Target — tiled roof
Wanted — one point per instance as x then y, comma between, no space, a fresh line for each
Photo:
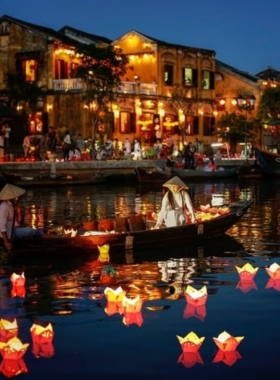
244,74
79,33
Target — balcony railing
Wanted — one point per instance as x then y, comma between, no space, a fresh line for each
137,88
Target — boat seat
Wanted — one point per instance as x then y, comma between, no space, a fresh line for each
136,223
120,225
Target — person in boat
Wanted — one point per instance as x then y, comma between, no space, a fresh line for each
170,162
211,167
175,205
10,217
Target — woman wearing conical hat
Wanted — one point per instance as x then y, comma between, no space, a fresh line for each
10,217
175,203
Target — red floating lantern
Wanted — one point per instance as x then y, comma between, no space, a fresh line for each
41,334
18,291
227,342
18,279
196,297
191,342
247,272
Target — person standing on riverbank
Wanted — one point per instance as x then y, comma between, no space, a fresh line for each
51,140
66,145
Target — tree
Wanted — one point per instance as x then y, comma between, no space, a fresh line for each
269,107
101,69
231,128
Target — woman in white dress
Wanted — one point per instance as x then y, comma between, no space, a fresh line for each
175,204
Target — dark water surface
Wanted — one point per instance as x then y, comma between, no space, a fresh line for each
94,338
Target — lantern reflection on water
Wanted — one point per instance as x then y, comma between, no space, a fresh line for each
247,272
246,286
272,283
132,311
8,329
274,271
130,318
228,357
195,311
227,342
18,291
114,300
43,350
104,253
11,368
17,280
191,342
189,359
13,349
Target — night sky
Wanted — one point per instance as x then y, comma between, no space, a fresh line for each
244,34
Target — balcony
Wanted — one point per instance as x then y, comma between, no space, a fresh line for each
131,88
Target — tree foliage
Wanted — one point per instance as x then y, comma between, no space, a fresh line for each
101,70
269,107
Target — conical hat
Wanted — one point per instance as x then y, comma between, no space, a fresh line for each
10,192
175,181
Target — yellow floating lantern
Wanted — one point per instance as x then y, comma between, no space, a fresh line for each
247,272
196,297
116,295
13,349
8,329
104,253
191,342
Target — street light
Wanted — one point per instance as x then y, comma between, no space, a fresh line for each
246,104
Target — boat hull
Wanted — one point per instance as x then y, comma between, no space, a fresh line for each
133,239
269,161
203,175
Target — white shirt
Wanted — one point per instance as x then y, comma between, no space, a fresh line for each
6,218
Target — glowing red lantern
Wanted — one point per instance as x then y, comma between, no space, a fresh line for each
228,357
17,280
8,329
193,311
11,368
189,359
247,272
132,305
43,350
191,342
41,334
13,349
274,271
196,297
227,342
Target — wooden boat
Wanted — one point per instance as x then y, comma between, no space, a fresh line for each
270,162
129,233
153,175
251,172
203,175
44,180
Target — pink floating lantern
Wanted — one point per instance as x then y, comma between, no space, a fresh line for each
18,279
227,342
196,297
247,272
191,342
274,271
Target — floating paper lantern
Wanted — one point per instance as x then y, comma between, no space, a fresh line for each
191,342
41,334
247,272
18,279
11,368
71,232
104,253
227,342
189,359
246,285
228,357
195,311
13,349
274,271
18,291
116,295
132,305
113,308
8,329
43,350
196,297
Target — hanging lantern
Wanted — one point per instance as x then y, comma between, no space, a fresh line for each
274,271
17,280
11,368
191,342
13,349
189,359
196,297
227,342
195,311
43,350
8,329
41,334
228,357
247,272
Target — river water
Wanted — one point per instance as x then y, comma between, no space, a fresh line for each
95,338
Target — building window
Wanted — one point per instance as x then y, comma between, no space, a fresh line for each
127,122
208,126
168,75
27,63
189,77
207,80
4,28
61,69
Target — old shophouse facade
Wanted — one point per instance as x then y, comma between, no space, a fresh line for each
142,107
